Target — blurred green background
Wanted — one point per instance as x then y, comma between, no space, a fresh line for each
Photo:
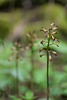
17,18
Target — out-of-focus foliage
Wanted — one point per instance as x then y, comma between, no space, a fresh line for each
4,28
2,1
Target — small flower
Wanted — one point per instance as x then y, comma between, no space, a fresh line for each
55,28
54,33
50,58
52,24
43,42
16,51
44,30
55,53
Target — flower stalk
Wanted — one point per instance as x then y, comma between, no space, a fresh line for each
48,39
16,54
32,38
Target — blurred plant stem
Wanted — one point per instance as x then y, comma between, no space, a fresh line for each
32,69
17,75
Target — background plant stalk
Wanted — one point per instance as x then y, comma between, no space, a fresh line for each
17,76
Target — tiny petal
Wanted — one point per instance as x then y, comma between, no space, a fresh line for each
53,37
50,58
55,53
54,33
52,24
44,30
42,42
55,28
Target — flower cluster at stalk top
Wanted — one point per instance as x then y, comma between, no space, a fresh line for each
16,52
49,40
32,38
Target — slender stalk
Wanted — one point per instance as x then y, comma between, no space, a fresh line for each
48,67
47,75
17,76
32,70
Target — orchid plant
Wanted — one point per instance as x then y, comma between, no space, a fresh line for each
17,51
49,40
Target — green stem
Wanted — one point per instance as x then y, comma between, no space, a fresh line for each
47,75
17,76
32,69
48,67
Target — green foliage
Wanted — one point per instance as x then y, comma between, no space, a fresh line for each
29,96
2,1
14,98
4,29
